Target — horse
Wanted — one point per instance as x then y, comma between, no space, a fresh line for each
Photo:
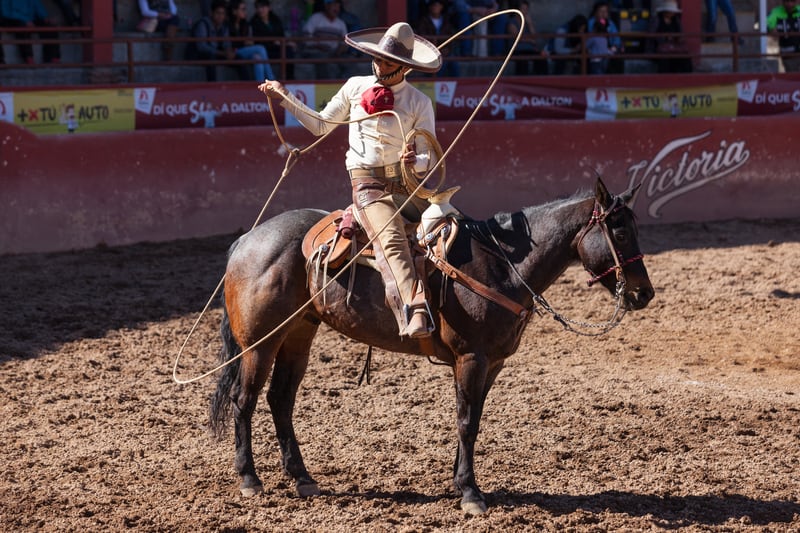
517,254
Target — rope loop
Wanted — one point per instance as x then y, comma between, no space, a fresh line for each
414,180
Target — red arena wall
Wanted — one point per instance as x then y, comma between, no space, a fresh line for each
63,192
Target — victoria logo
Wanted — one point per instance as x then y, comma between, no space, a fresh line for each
684,165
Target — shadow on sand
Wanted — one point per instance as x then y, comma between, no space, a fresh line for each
655,238
54,298
669,512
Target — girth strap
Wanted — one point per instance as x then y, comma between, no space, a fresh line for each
477,287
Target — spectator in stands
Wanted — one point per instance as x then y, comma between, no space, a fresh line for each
160,15
436,26
537,64
614,65
415,9
784,21
213,26
67,7
350,19
468,11
243,45
668,38
328,30
353,23
29,14
597,47
711,17
568,42
266,23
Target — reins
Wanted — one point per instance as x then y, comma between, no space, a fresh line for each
293,156
599,216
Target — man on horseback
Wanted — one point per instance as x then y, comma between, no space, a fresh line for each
378,149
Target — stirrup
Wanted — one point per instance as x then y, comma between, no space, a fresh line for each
419,321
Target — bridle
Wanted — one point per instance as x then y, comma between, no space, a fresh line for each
599,216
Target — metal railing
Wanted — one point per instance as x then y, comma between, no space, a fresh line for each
131,64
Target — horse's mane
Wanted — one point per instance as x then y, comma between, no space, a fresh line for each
502,218
510,221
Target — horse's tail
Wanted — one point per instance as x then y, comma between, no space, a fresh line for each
220,408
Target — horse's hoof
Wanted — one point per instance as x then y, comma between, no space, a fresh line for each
474,508
249,492
306,490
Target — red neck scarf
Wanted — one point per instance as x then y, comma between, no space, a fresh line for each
377,98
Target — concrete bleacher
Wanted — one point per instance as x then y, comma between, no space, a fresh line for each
716,56
42,75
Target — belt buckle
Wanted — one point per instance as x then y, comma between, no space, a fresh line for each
392,171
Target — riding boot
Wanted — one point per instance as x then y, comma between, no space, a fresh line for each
418,314
418,324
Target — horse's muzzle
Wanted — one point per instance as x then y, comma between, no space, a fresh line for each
638,297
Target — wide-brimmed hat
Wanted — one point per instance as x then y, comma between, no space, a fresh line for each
397,44
668,5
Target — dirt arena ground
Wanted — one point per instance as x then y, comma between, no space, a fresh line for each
686,417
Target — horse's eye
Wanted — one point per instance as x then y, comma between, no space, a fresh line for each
621,236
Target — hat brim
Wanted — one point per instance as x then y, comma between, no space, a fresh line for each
425,57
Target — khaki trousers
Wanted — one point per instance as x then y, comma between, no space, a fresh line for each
393,257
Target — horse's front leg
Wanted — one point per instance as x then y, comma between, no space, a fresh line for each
474,376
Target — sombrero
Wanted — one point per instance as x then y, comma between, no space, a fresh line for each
670,6
399,45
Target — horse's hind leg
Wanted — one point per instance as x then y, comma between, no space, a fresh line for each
252,376
290,367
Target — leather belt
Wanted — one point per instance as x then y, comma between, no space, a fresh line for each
390,172
386,178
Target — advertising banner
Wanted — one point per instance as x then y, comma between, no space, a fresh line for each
456,100
307,93
616,103
73,111
200,106
768,97
7,107
236,104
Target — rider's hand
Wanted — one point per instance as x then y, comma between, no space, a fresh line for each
409,156
273,89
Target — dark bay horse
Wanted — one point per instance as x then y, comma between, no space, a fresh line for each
517,254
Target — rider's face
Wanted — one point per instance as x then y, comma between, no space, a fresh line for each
383,67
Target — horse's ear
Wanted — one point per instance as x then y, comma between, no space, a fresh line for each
629,197
601,193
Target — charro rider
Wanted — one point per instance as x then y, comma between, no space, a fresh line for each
377,150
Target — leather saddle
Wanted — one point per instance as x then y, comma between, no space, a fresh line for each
335,239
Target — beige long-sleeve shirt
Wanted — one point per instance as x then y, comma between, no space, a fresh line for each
375,142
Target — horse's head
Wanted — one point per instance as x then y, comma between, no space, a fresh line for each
609,247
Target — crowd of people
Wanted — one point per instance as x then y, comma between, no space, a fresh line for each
586,43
